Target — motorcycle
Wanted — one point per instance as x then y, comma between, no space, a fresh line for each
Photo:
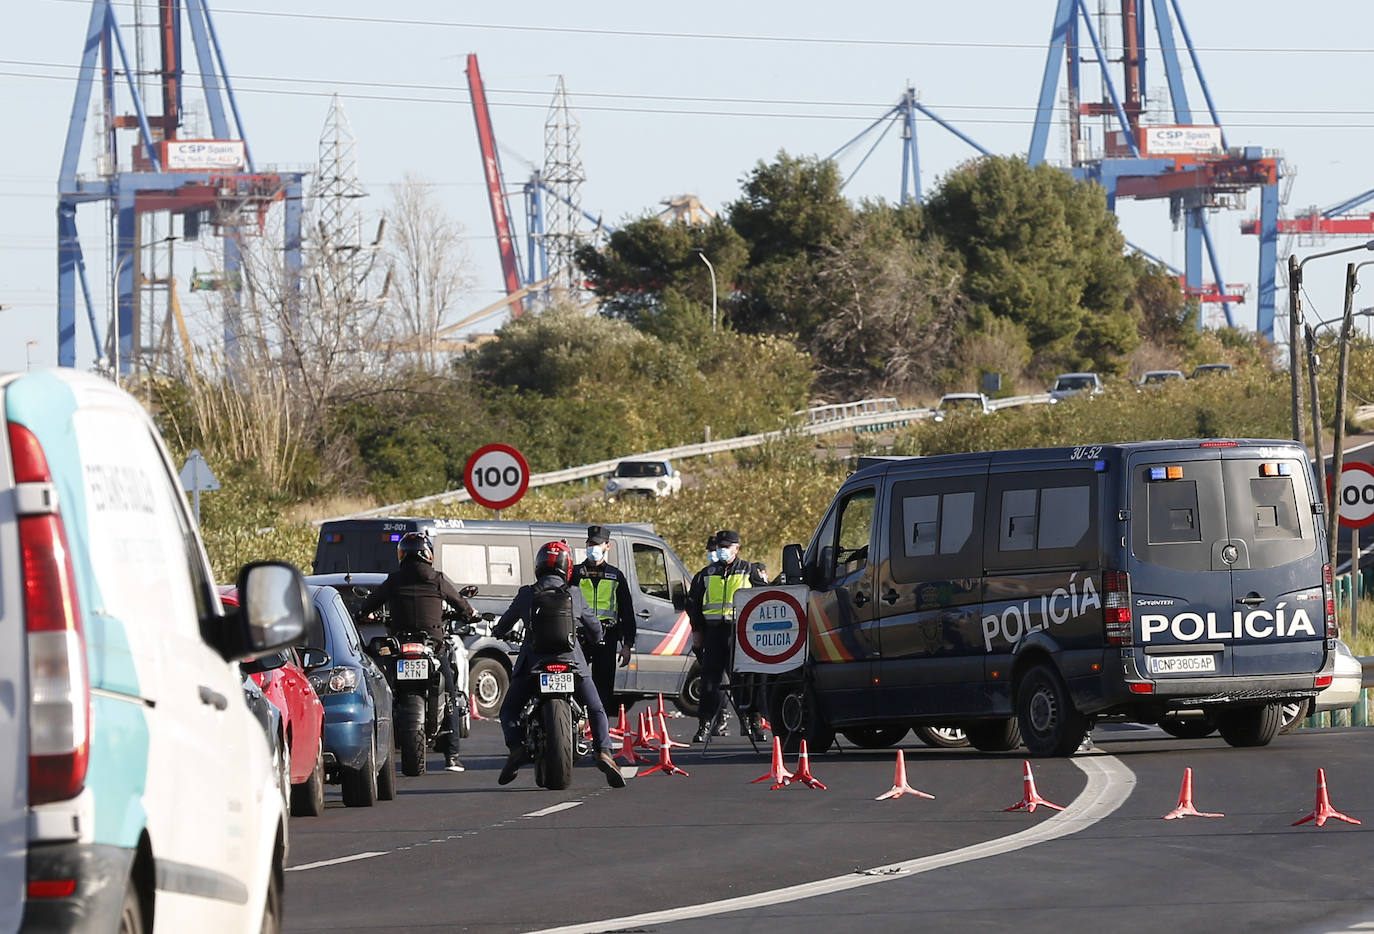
554,725
420,705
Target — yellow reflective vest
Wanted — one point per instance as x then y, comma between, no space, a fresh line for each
599,595
718,603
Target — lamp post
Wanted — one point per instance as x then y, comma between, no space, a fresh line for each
713,286
114,313
28,354
1295,323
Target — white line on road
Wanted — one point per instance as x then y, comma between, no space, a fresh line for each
1109,785
334,862
553,809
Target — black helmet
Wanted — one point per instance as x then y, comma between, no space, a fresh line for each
415,545
554,558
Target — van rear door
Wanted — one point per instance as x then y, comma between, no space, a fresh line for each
1215,557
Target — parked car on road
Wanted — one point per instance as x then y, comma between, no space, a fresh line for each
136,781
961,403
357,705
652,478
1211,369
1071,384
282,677
1155,377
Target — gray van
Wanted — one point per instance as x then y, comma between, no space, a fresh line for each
1024,595
498,556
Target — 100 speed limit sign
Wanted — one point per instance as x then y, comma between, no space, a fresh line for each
1356,503
496,476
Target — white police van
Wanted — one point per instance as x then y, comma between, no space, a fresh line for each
137,792
1024,595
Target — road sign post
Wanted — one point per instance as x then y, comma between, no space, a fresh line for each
496,476
196,476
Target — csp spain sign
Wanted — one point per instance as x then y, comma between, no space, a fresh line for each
770,628
496,476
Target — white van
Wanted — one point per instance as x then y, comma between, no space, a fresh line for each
137,792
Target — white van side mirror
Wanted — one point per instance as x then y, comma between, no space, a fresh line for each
273,604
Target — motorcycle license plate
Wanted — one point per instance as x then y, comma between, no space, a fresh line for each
555,682
412,669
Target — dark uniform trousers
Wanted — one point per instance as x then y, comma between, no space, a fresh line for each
715,655
604,658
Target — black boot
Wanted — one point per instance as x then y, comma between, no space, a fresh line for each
514,760
756,728
722,725
700,735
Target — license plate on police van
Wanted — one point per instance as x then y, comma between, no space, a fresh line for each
1182,664
412,669
555,682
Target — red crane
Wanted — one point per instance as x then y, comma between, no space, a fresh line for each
496,189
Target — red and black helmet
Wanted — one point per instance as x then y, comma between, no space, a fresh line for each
554,558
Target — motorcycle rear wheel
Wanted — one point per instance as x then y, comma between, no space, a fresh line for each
410,727
557,753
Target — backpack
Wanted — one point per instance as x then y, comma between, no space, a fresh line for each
552,626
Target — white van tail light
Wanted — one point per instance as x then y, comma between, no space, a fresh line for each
59,692
1116,607
1329,601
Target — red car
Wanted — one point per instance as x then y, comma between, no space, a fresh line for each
282,678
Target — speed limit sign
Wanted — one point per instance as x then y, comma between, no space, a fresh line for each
1356,504
496,476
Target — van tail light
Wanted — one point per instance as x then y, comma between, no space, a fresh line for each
59,691
1329,601
1116,608
1322,681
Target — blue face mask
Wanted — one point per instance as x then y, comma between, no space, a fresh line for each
712,555
596,552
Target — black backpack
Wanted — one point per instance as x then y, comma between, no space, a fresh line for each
551,621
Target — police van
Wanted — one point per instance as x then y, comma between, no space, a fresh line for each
1024,595
137,790
498,556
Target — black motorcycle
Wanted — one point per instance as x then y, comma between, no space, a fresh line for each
553,725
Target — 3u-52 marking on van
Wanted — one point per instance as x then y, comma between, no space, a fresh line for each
1024,595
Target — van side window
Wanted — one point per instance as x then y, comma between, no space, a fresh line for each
652,570
855,529
933,536
1018,521
1063,516
1047,518
481,564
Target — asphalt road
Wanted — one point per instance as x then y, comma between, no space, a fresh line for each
456,852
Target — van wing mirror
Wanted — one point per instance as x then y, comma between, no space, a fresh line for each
273,608
792,571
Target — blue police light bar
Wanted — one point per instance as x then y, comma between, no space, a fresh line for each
1157,473
1099,466
395,537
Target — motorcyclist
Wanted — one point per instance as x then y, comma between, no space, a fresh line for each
415,594
553,571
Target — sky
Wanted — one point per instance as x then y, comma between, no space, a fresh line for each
674,99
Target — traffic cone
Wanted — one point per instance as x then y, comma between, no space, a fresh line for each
622,726
661,712
1185,801
665,762
647,735
764,724
803,773
627,749
899,782
1323,811
475,709
778,772
664,738
1031,797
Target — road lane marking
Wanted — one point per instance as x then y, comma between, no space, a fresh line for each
335,862
1109,785
552,809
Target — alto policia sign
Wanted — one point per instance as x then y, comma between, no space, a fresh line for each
770,629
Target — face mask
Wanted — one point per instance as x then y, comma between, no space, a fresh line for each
724,554
712,555
596,552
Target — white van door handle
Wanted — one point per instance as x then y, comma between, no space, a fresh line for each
214,698
1250,599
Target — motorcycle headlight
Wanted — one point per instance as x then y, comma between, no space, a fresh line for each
335,681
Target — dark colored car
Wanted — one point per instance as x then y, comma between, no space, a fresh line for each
282,678
357,705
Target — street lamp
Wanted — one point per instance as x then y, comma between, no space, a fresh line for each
114,313
1295,322
713,285
28,353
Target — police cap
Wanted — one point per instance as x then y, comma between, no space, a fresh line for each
597,535
727,537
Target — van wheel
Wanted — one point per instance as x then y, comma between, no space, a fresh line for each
1294,712
794,716
386,779
1050,724
1188,727
1250,726
875,737
307,798
360,784
488,681
131,914
993,735
950,737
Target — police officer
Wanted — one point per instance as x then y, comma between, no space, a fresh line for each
607,594
552,570
415,594
711,610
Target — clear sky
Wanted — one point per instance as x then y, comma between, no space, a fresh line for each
675,98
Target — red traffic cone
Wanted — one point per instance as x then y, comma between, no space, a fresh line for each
764,724
663,738
803,773
475,709
647,735
1323,811
778,772
1185,801
665,762
627,749
622,726
899,782
1031,797
660,711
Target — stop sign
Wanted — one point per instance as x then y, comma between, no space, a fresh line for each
1355,505
496,476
